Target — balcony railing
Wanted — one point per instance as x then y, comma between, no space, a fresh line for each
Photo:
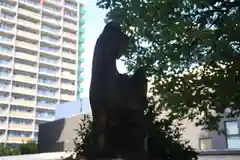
23,102
68,86
68,76
69,65
3,125
48,94
5,63
28,24
68,97
18,139
26,45
4,100
70,26
24,90
21,114
4,87
70,35
26,56
27,34
25,67
31,3
51,20
51,52
69,45
26,79
29,13
8,5
44,117
25,127
8,17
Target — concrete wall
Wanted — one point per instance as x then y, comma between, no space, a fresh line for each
58,135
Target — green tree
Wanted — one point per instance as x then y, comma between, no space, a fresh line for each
6,150
28,148
191,49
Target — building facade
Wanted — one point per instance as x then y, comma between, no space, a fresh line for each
41,43
212,140
210,145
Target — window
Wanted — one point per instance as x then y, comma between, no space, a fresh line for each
205,143
233,134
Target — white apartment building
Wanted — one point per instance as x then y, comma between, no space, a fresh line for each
40,63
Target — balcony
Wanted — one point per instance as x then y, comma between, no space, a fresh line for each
48,84
6,40
7,64
26,45
18,139
49,61
21,114
8,18
26,56
25,79
4,87
67,75
24,127
10,7
68,97
28,24
51,21
50,30
3,113
29,13
51,41
69,45
51,52
27,35
44,117
4,100
31,4
70,36
49,106
24,67
23,90
3,126
68,86
69,66
69,55
70,26
6,52
49,72
23,102
48,94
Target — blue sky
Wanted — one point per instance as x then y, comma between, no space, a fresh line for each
94,25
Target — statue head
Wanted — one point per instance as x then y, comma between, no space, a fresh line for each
117,40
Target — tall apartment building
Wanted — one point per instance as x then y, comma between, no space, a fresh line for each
40,63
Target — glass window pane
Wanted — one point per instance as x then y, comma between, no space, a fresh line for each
232,128
233,142
205,143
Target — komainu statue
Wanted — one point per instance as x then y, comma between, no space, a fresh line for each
117,100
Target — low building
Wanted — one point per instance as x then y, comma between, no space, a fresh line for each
58,136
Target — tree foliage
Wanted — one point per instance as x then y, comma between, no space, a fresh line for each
191,49
6,150
28,148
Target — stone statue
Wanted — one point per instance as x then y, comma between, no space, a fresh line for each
117,100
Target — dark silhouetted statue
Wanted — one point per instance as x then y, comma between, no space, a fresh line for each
117,100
